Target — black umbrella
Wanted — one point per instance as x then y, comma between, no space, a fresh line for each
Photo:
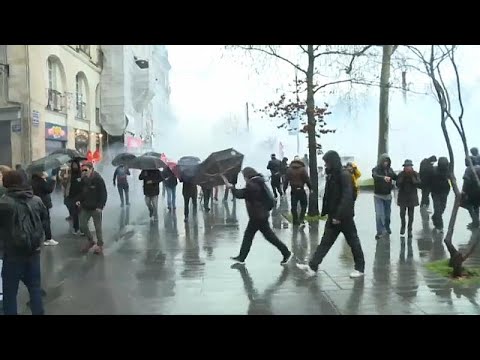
47,163
147,163
187,167
72,153
123,159
152,153
227,162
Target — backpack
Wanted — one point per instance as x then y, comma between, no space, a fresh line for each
269,200
26,238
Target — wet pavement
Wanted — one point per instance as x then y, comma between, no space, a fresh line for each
172,267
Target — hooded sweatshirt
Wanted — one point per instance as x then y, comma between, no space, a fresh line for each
43,188
297,176
253,195
22,194
383,189
338,201
440,182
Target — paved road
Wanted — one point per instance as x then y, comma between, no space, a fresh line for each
171,267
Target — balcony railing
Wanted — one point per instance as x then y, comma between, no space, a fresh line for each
56,101
81,111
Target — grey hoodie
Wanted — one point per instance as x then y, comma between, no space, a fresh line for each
383,189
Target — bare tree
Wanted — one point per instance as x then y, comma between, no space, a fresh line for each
309,69
434,62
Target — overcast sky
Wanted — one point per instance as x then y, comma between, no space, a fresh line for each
209,82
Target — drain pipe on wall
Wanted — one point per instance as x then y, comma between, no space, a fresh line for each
27,155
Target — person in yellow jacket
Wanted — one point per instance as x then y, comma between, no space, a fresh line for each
353,169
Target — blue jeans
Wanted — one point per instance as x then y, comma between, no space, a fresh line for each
28,271
171,197
383,209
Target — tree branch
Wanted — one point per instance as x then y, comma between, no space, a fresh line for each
304,50
354,56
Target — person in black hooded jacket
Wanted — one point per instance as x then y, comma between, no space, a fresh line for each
440,187
43,187
426,172
338,204
274,165
255,194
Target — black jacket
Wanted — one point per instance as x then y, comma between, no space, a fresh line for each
407,189
338,201
169,178
274,166
189,190
74,186
440,179
43,188
23,194
253,193
426,172
94,192
381,187
283,167
151,182
297,176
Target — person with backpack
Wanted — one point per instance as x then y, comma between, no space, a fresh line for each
426,172
170,181
408,182
297,177
471,195
338,204
23,223
356,174
91,201
274,166
43,187
120,180
151,189
440,188
259,202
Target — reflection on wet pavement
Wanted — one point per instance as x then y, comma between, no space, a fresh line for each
171,267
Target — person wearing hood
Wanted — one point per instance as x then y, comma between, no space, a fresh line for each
73,189
475,157
426,172
297,177
283,169
23,223
338,204
383,177
408,182
274,166
440,188
471,195
255,194
356,174
43,187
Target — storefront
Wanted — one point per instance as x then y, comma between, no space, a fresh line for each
82,141
56,137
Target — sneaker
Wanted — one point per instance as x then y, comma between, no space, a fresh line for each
237,260
301,226
356,274
307,269
98,250
286,259
50,242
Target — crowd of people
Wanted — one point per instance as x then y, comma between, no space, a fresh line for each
25,205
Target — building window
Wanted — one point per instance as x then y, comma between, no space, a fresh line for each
56,99
81,96
85,49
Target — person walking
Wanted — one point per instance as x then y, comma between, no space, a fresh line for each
151,190
297,177
283,170
440,188
43,187
170,181
338,204
471,195
73,189
121,181
274,166
91,201
356,174
383,177
426,171
23,223
408,182
189,192
207,196
257,200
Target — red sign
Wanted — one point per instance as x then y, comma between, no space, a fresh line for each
133,142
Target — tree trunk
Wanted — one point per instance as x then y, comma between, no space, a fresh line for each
383,125
312,141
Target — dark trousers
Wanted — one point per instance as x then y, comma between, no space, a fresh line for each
349,230
123,189
74,212
474,214
48,229
207,194
403,212
439,205
26,270
425,196
298,196
186,201
264,227
275,182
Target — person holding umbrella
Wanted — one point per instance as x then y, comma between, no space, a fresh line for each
43,187
120,180
170,182
151,189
